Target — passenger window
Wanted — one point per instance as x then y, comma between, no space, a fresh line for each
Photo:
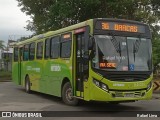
47,48
32,51
26,53
55,47
66,43
66,49
16,54
39,53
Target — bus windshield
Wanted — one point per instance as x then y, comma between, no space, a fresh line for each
119,53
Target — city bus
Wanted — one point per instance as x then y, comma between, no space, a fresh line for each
101,59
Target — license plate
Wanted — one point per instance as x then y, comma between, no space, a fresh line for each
128,95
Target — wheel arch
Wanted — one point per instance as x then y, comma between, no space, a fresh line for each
65,80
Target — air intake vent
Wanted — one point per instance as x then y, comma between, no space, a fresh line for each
128,76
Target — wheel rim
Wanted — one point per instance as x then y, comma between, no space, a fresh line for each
69,95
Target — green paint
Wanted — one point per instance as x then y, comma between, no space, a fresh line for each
46,75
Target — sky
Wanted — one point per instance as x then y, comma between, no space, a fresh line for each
12,20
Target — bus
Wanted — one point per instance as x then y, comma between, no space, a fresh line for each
101,59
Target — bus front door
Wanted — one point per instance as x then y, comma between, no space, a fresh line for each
81,63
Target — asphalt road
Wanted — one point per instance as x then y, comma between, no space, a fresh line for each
14,98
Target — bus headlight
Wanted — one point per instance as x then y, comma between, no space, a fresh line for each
149,86
100,85
104,87
96,83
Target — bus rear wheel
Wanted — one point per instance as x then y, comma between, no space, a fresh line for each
67,95
27,85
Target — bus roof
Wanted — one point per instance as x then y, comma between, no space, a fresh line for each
66,29
56,32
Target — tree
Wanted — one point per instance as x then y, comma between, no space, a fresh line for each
24,38
38,10
54,14
156,50
2,46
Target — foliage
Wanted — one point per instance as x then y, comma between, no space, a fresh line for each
2,46
156,50
24,38
38,11
54,14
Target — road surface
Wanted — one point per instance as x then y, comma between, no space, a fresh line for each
14,98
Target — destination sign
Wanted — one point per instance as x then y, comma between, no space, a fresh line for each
120,26
107,65
66,37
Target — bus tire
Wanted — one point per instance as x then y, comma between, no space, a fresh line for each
27,85
67,95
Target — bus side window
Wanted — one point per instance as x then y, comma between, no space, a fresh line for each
47,48
39,53
26,53
66,43
16,54
31,51
55,47
21,53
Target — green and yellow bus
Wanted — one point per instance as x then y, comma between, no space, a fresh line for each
100,59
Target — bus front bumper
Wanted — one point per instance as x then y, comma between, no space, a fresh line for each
98,94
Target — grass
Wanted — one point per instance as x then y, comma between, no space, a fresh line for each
5,75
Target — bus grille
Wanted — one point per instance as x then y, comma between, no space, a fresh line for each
131,94
124,76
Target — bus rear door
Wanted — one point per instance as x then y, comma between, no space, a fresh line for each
20,65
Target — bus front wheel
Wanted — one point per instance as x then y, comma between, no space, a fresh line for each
67,95
27,85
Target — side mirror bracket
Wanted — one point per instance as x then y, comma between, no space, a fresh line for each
91,42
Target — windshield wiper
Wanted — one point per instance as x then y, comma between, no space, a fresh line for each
136,47
116,44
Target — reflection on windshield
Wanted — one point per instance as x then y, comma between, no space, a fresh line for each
136,47
122,53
